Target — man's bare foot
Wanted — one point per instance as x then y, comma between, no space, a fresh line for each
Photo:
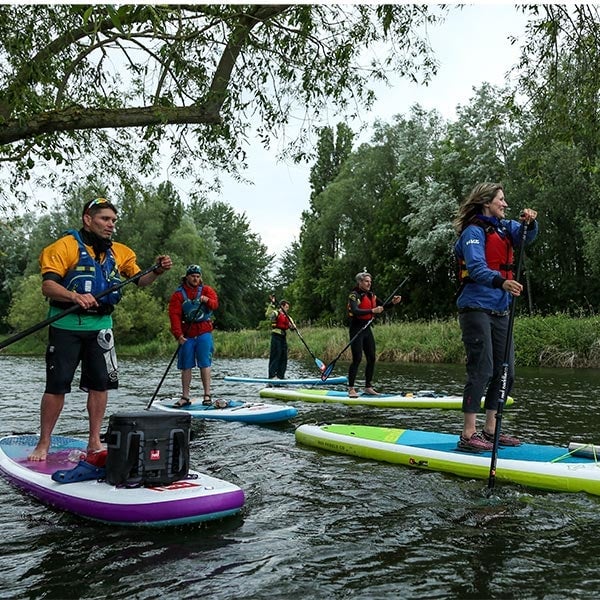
95,449
39,453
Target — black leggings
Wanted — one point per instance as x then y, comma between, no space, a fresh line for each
364,342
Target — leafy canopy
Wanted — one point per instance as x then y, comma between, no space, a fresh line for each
122,86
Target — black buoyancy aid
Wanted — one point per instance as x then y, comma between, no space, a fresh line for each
498,252
194,311
366,301
89,276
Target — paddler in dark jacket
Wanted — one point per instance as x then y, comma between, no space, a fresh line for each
484,251
280,323
363,306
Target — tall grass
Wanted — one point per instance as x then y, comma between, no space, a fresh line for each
552,341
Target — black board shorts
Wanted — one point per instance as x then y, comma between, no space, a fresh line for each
95,350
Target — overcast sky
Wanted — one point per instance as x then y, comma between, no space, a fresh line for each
471,47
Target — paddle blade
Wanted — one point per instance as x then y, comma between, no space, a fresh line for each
322,366
327,372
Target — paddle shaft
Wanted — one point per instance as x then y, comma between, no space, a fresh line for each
330,366
318,361
505,365
74,308
163,378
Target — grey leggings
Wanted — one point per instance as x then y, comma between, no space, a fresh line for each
484,337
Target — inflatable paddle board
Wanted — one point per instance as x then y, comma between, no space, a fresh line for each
197,498
236,410
554,468
266,381
422,399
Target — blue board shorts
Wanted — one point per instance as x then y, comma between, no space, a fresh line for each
196,352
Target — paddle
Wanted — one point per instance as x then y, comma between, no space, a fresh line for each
327,372
163,378
75,307
504,376
320,364
187,330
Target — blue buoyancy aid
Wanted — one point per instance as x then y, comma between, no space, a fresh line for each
92,277
194,311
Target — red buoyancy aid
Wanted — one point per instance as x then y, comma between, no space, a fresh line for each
281,322
368,301
498,253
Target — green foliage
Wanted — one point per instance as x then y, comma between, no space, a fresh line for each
241,264
139,317
28,307
551,341
556,166
152,221
115,88
557,341
14,257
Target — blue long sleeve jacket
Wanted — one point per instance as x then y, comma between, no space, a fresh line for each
482,291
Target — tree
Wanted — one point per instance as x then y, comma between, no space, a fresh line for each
332,152
557,162
319,237
14,257
241,265
117,85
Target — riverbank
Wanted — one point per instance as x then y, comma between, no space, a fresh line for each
553,341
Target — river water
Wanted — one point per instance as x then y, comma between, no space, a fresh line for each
317,525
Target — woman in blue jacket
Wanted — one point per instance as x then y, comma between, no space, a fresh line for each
485,255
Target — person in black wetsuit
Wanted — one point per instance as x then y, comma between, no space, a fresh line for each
363,306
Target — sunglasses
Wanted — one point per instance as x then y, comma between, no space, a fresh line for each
97,202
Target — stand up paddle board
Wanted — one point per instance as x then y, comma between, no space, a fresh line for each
554,468
266,381
197,498
422,399
235,410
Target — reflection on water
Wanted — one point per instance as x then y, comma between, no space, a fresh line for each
317,525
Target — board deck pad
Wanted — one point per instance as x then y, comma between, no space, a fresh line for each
192,499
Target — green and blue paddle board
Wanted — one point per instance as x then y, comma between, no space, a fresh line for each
564,469
421,399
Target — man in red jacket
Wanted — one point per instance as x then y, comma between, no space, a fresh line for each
190,312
